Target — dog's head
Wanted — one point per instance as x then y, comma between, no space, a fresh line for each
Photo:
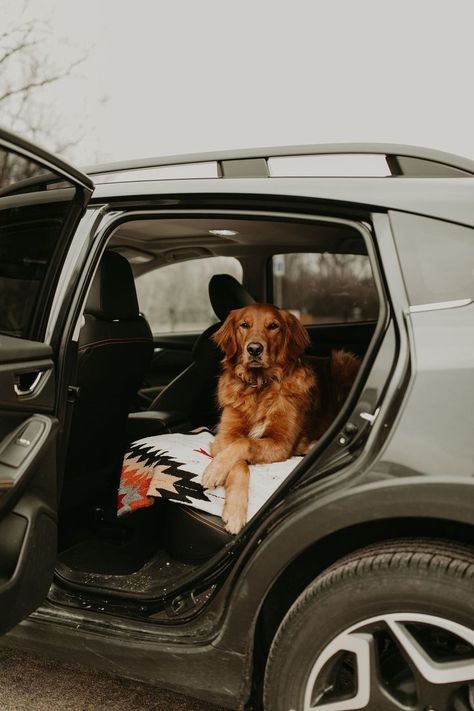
261,336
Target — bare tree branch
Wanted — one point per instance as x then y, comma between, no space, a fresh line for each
15,50
28,86
27,69
26,27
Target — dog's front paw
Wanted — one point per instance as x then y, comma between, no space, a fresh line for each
234,518
214,475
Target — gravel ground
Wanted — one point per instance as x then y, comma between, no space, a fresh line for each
31,683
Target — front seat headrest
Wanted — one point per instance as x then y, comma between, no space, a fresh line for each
226,294
113,294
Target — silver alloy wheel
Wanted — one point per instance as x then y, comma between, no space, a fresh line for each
400,661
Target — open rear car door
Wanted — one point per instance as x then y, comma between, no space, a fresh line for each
41,201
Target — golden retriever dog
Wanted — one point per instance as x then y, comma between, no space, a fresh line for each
273,405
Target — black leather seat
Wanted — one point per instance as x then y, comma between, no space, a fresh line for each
115,351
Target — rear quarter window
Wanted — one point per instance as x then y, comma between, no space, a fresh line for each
437,258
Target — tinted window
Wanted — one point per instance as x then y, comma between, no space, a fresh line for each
437,258
325,288
175,298
31,219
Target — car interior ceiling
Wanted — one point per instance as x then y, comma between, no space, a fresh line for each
148,550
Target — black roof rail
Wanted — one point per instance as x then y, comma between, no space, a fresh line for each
401,159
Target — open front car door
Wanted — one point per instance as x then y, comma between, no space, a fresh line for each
41,202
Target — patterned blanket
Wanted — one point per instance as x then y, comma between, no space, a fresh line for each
171,466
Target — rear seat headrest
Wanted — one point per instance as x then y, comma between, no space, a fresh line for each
226,294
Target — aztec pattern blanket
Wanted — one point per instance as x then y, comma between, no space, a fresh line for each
170,466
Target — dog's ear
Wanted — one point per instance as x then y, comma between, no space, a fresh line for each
296,336
225,336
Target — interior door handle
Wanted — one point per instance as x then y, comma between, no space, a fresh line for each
27,383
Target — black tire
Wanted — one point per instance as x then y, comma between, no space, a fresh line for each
419,577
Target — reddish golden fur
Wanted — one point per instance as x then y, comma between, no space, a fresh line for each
273,405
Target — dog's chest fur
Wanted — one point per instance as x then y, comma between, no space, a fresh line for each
255,405
257,408
258,430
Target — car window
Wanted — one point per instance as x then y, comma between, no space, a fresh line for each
32,216
175,298
437,258
324,287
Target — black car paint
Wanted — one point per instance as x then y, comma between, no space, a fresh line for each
397,479
218,647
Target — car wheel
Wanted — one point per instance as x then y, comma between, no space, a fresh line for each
388,628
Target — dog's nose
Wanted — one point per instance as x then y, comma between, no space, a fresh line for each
254,349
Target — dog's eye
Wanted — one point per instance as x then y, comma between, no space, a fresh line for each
273,325
245,325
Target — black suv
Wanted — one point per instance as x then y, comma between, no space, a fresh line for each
353,586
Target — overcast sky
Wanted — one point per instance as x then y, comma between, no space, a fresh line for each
171,76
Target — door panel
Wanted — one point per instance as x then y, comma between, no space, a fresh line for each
41,201
31,538
31,381
18,451
26,375
28,478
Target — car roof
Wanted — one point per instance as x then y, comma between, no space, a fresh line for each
442,199
420,180
403,159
